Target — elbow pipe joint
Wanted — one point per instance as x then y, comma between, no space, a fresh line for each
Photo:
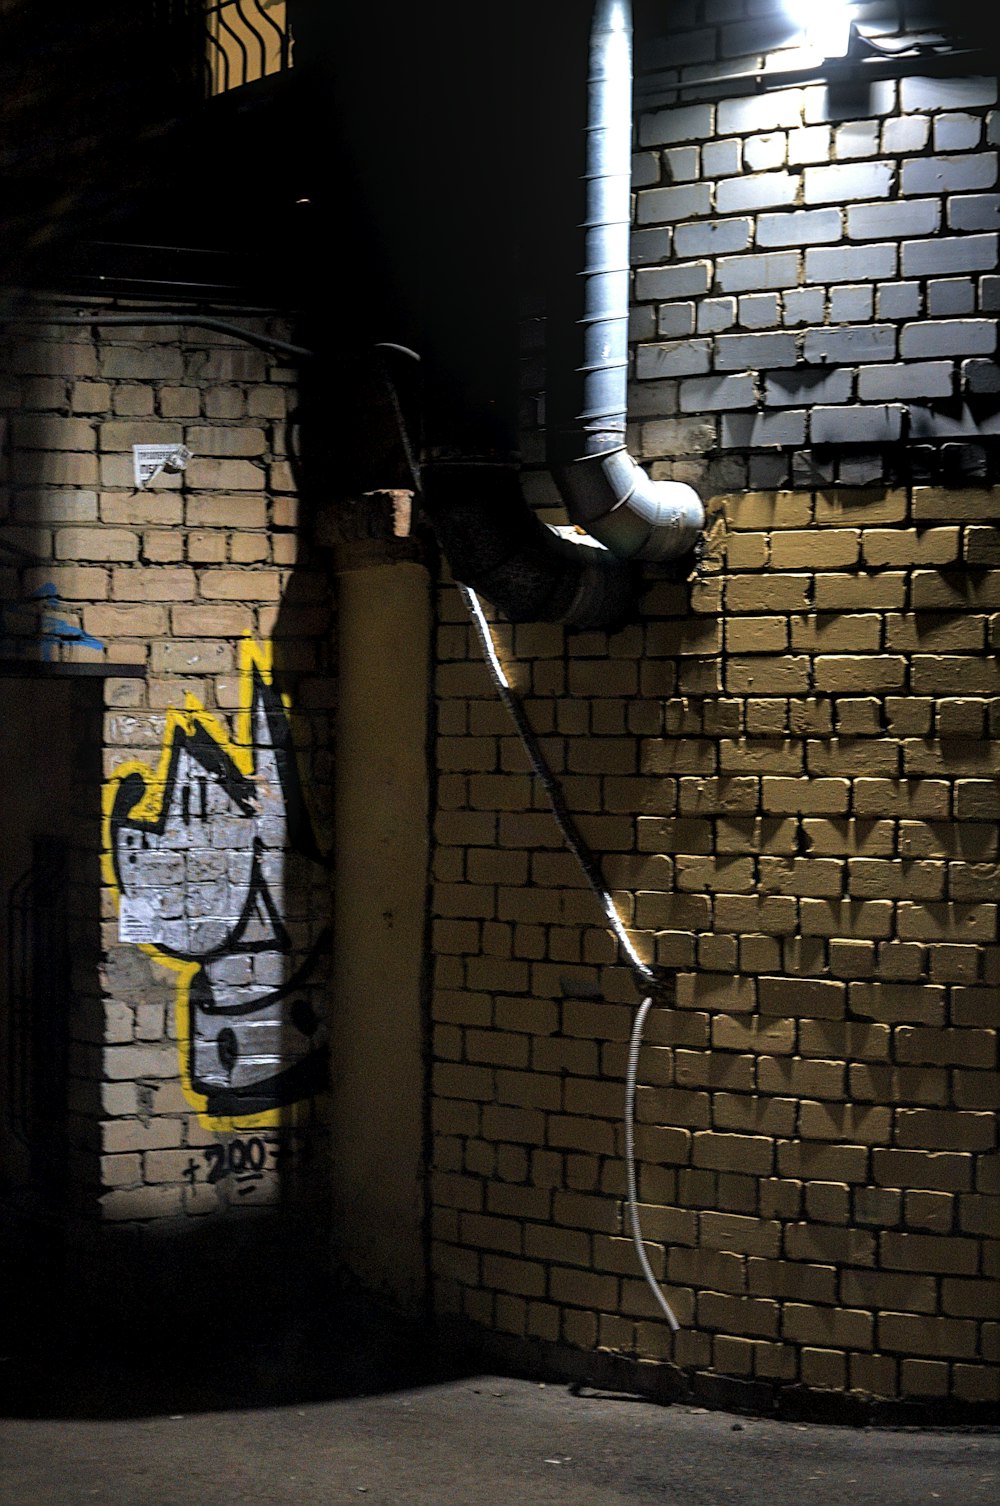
495,544
611,496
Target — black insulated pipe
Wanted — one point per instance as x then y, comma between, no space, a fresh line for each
496,545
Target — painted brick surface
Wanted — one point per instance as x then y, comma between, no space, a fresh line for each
974,211
737,274
801,227
932,94
716,237
662,205
851,263
784,767
759,191
870,236
851,304
816,1066
950,296
949,255
786,771
839,184
876,424
920,379
199,589
867,222
928,175
899,300
941,337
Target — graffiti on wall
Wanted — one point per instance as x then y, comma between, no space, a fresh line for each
39,622
218,875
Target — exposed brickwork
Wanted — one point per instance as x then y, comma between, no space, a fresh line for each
786,768
867,218
172,580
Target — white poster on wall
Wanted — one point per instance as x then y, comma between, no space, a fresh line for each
148,460
139,918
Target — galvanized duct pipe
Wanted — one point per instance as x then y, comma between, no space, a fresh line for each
493,541
605,490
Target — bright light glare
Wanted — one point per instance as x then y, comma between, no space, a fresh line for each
826,24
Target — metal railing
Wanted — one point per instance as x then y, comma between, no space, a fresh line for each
245,40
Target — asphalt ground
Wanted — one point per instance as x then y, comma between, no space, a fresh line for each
467,1440
303,1397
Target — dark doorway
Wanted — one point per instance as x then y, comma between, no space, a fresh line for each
50,816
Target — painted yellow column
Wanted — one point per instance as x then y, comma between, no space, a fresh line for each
382,851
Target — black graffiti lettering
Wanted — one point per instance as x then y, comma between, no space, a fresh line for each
215,1155
260,915
207,803
246,1158
228,1049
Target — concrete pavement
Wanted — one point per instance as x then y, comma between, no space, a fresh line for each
471,1440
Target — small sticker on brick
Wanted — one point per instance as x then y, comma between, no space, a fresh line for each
148,460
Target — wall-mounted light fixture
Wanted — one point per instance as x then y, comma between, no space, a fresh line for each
827,25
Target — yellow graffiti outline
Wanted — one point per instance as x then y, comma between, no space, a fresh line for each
253,656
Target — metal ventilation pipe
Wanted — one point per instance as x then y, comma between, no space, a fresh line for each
605,490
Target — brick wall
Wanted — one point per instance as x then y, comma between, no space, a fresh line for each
816,288
809,838
196,1067
786,769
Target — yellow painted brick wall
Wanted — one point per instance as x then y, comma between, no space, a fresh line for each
787,769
